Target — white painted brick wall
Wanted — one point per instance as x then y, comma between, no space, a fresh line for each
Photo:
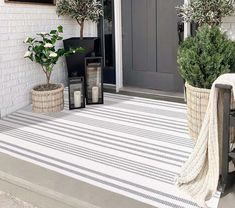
17,75
229,26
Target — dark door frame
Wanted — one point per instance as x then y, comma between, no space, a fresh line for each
109,72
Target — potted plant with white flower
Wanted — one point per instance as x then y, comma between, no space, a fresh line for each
42,50
82,11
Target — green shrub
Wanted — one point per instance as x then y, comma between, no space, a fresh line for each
203,58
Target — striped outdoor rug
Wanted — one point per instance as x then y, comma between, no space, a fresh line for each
131,146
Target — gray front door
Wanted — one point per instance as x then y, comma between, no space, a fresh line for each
150,43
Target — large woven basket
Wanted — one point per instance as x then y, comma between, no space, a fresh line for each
48,101
197,102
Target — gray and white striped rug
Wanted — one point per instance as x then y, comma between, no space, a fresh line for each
131,146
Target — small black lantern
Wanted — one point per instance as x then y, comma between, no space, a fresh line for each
76,93
94,80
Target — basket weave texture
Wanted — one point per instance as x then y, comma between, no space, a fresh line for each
48,101
197,102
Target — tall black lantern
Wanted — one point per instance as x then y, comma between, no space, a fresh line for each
76,93
94,80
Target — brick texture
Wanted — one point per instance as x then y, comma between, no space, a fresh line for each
17,75
229,26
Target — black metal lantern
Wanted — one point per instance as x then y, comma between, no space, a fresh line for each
94,80
76,93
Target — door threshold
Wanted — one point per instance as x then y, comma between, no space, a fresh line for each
148,93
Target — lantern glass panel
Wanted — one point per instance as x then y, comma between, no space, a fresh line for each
76,93
94,81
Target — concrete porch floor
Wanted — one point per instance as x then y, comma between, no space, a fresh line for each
9,201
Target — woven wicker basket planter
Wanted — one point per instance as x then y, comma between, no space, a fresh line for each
48,101
197,102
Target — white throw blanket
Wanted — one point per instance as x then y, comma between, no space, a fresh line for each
200,174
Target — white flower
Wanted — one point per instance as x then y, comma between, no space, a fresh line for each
48,45
26,40
53,54
27,54
42,33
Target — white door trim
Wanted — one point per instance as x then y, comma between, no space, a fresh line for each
187,26
118,44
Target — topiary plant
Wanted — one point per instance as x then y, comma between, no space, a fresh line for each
203,58
208,12
81,11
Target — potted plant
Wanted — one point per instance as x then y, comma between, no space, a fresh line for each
203,58
82,11
47,97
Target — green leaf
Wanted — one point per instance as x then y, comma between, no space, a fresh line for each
53,32
59,38
60,29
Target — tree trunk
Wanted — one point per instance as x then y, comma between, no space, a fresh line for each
48,75
82,29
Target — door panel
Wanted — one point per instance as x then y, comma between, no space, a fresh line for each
167,40
144,58
150,42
